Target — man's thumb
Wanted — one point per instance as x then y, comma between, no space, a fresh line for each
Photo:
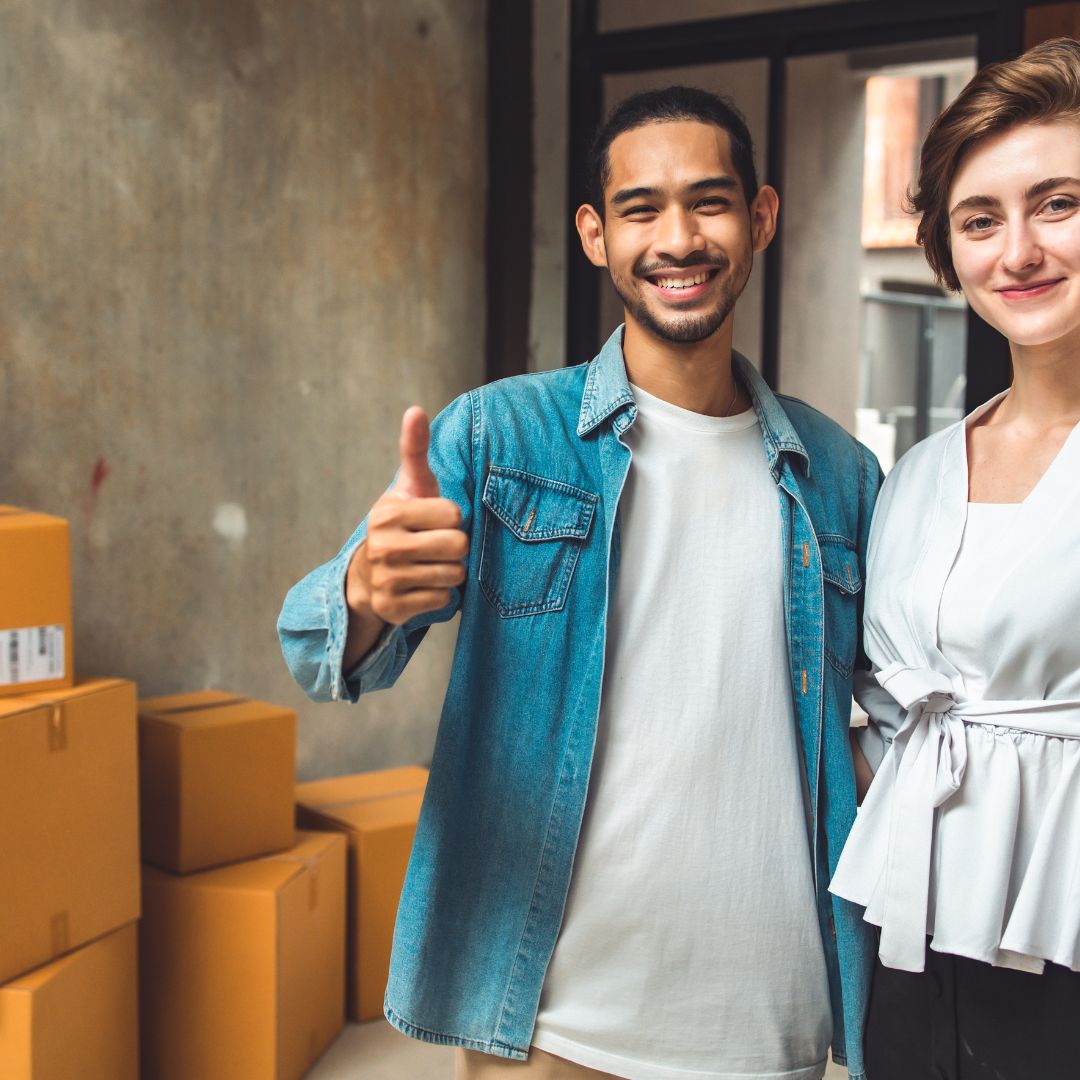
415,480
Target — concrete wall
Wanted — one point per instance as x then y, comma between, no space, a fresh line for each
551,93
821,216
239,238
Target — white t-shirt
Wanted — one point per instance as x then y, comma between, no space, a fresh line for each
690,946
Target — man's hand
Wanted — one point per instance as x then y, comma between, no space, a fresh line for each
413,553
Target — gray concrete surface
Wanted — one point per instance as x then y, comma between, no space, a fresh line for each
238,240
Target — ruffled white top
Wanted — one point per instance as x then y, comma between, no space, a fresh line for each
970,832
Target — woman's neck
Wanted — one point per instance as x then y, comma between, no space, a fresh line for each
1045,388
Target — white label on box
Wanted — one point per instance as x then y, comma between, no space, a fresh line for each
31,654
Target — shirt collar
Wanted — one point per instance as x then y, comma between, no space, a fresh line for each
607,391
777,430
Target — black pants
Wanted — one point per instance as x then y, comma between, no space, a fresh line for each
962,1019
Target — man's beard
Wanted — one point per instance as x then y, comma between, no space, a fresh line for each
680,329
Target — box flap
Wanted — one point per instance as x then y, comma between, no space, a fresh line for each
340,791
261,875
365,815
208,708
40,699
266,874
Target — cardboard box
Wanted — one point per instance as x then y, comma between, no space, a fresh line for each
216,775
377,812
69,820
242,968
35,602
76,1017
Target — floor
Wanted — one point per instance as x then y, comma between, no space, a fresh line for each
375,1051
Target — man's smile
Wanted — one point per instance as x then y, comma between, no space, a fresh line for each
683,283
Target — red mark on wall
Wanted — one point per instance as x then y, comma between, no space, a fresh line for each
97,477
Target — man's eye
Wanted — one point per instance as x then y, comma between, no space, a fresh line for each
713,203
638,211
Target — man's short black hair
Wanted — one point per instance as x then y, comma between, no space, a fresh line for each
662,106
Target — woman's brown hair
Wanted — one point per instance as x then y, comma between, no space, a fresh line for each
1041,85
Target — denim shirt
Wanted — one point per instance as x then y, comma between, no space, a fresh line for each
537,464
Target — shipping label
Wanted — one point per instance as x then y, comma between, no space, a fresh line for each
31,654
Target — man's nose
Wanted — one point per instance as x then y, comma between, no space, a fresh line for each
679,234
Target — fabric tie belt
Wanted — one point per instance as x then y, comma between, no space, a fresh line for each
930,756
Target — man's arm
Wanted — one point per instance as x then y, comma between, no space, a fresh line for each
872,480
351,625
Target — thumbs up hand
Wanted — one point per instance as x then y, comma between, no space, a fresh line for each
415,480
414,551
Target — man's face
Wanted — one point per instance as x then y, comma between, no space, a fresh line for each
678,237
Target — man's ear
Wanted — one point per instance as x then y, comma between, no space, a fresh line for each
763,212
591,230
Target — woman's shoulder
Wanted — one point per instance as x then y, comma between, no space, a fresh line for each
926,456
916,477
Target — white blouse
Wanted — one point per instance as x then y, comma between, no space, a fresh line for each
970,832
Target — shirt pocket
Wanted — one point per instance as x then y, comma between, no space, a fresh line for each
842,585
534,530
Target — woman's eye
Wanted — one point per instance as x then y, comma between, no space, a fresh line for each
979,224
1059,204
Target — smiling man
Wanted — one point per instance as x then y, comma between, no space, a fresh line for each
642,778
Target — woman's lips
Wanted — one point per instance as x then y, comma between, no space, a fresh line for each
1029,292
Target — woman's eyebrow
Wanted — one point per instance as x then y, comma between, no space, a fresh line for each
981,202
984,202
1044,186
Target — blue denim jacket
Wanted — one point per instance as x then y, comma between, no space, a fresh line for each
536,464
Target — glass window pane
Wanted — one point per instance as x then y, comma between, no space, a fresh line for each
866,335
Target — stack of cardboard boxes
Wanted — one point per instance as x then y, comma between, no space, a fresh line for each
242,963
69,862
250,931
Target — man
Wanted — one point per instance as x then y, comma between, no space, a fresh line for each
642,777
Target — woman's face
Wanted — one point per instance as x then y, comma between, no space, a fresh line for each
1014,226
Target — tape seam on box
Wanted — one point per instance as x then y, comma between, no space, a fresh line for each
325,807
201,706
57,726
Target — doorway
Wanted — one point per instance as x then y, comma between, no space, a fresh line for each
841,309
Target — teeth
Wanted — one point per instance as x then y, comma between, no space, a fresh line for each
683,283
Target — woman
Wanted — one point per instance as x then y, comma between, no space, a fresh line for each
966,851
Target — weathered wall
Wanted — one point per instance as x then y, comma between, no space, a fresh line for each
238,239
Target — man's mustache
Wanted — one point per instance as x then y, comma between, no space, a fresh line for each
643,269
